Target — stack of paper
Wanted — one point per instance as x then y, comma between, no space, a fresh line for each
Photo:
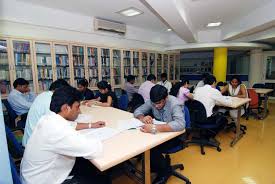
99,133
84,118
129,124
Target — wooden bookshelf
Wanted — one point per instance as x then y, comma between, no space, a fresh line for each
144,66
116,68
135,65
105,65
159,66
5,82
171,73
93,74
78,63
152,63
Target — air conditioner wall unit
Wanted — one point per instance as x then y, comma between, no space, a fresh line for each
109,26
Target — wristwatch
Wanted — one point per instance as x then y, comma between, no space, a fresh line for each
154,129
90,125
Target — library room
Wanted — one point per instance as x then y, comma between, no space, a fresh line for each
137,91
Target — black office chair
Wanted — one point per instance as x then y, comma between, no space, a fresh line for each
206,128
13,116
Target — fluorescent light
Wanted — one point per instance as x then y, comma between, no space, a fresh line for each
214,24
169,29
130,12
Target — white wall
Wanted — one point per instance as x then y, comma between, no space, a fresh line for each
27,20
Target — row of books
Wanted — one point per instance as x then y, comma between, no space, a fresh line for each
4,75
144,63
44,60
116,62
25,73
135,61
93,82
5,87
92,61
78,50
78,60
105,72
45,73
116,53
127,62
79,73
93,72
44,85
4,58
62,60
62,72
105,52
22,59
92,51
144,71
135,71
126,54
144,56
21,47
117,80
127,71
135,55
152,70
116,72
105,62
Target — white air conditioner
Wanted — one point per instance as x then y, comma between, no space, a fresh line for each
109,26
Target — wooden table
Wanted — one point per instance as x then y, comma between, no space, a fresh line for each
127,144
237,103
264,91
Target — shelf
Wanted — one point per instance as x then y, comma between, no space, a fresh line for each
45,79
44,65
61,54
21,52
40,53
79,66
62,65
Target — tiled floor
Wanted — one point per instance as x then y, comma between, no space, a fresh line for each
250,161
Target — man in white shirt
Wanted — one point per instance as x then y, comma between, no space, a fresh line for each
201,82
145,88
164,82
51,150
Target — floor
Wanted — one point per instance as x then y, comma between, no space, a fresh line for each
250,161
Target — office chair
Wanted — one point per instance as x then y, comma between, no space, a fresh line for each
13,116
261,98
14,172
123,102
14,138
206,128
176,149
253,104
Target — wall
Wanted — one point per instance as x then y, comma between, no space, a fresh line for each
27,20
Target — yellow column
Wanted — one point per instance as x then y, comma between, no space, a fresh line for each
220,64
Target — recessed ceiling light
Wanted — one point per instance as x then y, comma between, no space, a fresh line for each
214,24
130,12
169,29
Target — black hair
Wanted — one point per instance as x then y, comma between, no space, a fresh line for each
83,82
64,95
220,83
130,78
104,85
204,75
58,84
21,82
151,77
175,89
158,93
163,75
210,79
237,78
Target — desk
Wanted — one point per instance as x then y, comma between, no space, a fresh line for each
237,103
127,144
263,91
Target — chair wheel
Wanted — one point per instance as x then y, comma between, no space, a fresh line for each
202,152
181,167
219,149
188,182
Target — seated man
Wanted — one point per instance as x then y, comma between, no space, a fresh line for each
20,98
167,109
144,89
129,87
51,150
164,82
201,82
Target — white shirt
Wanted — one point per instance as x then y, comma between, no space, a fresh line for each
144,90
166,84
200,84
209,97
39,107
51,150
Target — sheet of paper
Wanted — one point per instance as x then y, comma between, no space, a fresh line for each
99,133
84,118
156,122
123,125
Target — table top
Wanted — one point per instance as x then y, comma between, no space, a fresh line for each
126,144
263,90
236,102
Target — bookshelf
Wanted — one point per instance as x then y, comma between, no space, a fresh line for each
23,61
126,63
152,63
159,66
105,65
5,82
116,67
78,63
144,66
165,65
171,67
92,54
177,69
136,66
43,58
62,62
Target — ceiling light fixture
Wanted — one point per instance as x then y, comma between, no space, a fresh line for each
130,12
214,24
169,29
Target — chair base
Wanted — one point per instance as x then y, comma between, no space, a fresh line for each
233,126
204,142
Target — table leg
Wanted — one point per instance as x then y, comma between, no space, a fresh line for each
265,105
238,134
147,169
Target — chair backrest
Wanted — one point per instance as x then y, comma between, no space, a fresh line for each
14,146
136,101
254,103
197,111
11,112
123,102
187,117
15,174
258,85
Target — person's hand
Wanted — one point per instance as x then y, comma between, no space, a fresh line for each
147,120
98,124
147,128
